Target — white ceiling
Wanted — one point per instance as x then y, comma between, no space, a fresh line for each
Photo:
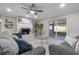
50,9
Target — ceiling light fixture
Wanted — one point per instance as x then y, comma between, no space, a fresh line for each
62,5
8,9
32,12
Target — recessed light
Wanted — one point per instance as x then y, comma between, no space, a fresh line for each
0,20
62,5
8,9
27,15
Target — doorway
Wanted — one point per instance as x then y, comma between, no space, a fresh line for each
57,31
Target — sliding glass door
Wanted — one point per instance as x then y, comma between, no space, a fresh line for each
58,29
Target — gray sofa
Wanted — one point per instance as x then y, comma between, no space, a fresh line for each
69,47
62,49
36,51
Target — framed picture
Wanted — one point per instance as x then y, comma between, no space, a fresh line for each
9,24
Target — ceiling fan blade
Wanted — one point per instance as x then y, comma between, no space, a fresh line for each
25,8
39,10
33,5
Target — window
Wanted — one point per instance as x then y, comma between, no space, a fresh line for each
59,28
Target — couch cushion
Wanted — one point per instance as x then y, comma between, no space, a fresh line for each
66,46
59,50
71,41
7,47
6,35
7,44
36,51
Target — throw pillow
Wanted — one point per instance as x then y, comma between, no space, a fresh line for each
8,44
15,37
19,35
71,41
23,46
6,35
7,47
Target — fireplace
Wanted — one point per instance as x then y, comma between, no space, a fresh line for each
25,31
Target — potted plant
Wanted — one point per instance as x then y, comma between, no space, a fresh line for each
38,28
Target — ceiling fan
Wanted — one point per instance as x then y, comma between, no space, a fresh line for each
32,9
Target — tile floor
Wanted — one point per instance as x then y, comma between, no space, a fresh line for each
45,42
56,41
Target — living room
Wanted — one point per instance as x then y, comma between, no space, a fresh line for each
26,27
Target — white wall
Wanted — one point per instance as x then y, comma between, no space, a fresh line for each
73,23
45,28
